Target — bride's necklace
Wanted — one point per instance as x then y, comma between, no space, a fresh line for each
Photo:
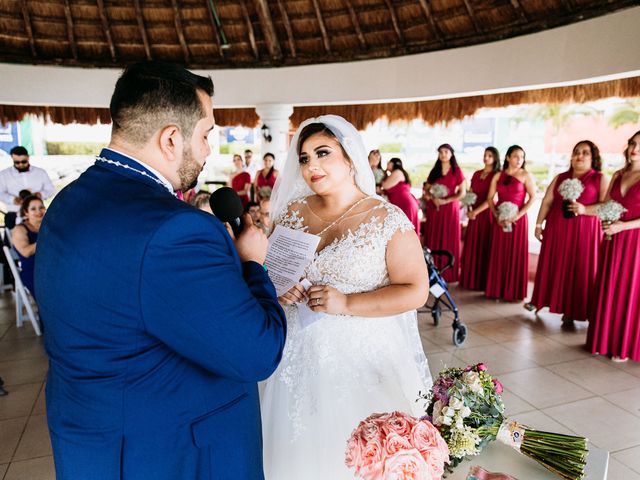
128,167
340,217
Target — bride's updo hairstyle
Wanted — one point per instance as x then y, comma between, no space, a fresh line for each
314,129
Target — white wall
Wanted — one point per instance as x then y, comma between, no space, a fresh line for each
605,46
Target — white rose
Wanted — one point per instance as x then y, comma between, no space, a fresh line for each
465,412
456,403
470,378
476,387
445,420
459,422
448,412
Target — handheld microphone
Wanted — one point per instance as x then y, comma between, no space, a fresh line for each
227,207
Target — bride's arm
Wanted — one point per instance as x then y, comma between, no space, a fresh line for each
408,289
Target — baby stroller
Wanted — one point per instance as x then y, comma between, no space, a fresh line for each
442,299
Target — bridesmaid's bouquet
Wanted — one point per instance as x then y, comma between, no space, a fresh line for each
465,405
396,446
507,211
439,191
610,212
469,200
265,192
570,190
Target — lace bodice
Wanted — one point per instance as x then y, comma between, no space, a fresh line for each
352,253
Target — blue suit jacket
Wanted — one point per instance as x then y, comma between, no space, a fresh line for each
156,334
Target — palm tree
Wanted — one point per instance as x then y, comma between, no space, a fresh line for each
628,112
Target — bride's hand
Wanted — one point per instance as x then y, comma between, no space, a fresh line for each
295,294
323,298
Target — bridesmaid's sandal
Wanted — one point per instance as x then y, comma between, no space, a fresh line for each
618,359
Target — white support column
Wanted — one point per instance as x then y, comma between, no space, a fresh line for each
276,118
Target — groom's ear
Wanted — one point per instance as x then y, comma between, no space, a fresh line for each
171,143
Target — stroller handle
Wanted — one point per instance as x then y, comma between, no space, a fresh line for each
444,253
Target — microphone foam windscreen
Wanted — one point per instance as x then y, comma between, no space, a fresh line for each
226,204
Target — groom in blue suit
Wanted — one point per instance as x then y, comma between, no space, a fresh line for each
157,323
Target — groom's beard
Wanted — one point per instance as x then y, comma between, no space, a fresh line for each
188,170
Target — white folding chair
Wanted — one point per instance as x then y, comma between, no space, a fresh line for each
22,296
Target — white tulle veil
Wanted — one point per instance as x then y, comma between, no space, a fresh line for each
290,185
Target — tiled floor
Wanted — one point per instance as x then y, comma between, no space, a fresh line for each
551,382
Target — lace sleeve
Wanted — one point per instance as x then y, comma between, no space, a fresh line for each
292,217
394,221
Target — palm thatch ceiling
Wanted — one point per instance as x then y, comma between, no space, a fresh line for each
267,33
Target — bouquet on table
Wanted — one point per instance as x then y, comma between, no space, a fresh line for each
438,191
507,211
610,212
465,404
396,446
570,190
469,200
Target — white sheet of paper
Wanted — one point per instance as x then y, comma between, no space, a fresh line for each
436,290
290,252
306,316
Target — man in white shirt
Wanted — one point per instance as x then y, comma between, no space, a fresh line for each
251,167
23,176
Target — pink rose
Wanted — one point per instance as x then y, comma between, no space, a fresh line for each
481,367
395,443
407,465
353,454
428,441
370,430
496,382
400,423
372,465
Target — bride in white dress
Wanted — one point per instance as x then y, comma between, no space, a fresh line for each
364,354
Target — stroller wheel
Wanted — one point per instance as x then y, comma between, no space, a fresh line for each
436,313
459,334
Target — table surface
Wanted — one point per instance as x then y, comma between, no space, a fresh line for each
497,457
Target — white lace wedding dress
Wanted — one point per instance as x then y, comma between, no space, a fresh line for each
340,369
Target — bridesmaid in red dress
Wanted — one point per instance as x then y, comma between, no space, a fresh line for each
509,262
477,242
614,326
397,186
442,230
240,180
267,176
568,262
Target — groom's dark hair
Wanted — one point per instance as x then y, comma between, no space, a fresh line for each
150,95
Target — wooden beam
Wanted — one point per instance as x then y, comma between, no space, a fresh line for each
143,30
476,25
252,37
70,34
177,22
216,29
107,29
29,28
356,24
518,9
323,29
268,29
287,26
567,5
429,16
394,21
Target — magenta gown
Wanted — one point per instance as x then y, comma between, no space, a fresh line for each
509,261
400,195
474,264
614,324
568,262
442,229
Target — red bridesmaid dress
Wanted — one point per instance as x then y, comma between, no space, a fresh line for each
238,183
509,261
442,229
474,263
400,195
614,325
568,263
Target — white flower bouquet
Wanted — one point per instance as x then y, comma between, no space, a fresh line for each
507,211
610,212
469,200
438,191
570,190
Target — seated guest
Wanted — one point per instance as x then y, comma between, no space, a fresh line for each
201,201
25,236
253,209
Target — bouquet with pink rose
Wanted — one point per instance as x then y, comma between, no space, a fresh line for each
465,405
396,446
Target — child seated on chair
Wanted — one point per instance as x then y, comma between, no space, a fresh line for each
25,236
